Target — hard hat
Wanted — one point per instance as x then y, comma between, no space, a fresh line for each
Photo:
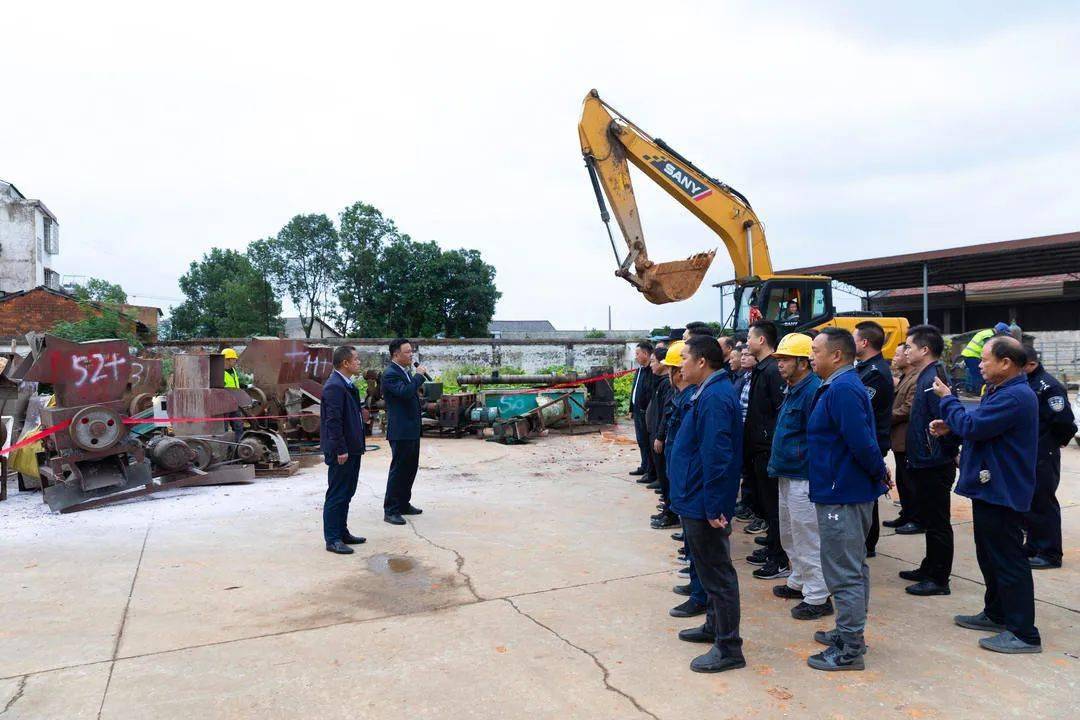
794,345
674,354
229,354
1001,329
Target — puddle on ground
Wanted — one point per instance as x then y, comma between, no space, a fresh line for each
383,563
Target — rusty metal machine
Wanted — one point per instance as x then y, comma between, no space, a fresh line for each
201,412
92,454
288,380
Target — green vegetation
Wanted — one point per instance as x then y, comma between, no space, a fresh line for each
104,324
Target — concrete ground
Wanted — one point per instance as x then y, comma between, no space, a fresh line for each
531,587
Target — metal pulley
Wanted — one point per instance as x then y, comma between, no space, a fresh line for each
252,450
96,428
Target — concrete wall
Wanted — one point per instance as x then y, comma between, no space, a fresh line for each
440,355
23,256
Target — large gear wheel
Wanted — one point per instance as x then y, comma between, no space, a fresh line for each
96,428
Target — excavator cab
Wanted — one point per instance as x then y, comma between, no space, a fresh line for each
791,303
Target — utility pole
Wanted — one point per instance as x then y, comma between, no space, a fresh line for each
609,318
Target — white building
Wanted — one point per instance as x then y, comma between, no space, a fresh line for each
29,242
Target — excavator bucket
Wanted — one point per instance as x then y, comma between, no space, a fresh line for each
676,280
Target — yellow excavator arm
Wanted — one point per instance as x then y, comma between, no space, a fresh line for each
608,141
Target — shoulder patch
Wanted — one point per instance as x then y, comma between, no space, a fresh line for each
1056,403
871,391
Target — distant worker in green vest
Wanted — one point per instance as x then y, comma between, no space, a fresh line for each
232,382
972,355
232,377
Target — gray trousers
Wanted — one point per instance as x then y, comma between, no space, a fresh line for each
843,531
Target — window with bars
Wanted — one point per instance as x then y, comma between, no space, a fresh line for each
52,237
52,279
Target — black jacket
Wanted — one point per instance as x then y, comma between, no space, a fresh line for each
401,393
341,425
923,449
876,375
766,397
642,390
1057,425
659,410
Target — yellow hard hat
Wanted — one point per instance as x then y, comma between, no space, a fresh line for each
794,345
674,354
229,354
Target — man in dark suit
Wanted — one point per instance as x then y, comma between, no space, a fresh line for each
640,394
341,435
401,389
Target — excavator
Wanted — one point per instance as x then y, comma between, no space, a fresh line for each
610,142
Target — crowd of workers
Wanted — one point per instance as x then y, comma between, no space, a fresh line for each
790,438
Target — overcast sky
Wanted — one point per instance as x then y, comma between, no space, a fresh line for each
157,132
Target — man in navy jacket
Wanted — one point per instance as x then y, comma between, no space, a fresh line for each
876,374
1057,427
401,389
847,475
706,461
931,464
341,436
997,471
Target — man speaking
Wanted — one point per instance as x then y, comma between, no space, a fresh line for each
401,389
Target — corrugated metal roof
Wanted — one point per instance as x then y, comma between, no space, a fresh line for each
1028,257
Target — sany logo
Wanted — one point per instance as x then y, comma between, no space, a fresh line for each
682,178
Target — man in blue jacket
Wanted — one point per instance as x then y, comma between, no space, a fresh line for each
706,461
847,475
401,389
788,462
931,464
997,471
341,435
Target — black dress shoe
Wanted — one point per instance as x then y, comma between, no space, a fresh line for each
411,510
912,575
682,590
1038,562
928,587
697,635
644,480
654,485
893,523
393,519
677,536
339,547
639,471
761,540
911,528
350,539
690,608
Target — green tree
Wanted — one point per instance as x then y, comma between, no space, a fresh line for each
226,296
303,262
103,291
394,285
364,231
